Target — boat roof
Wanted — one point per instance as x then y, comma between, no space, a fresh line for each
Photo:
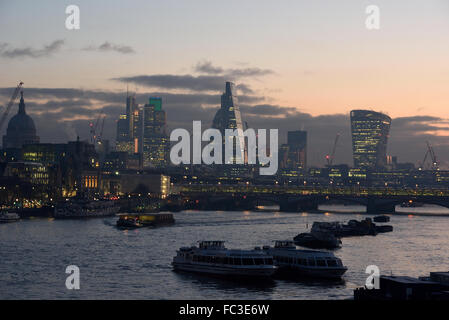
235,253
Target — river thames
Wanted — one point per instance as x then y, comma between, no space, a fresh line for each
135,264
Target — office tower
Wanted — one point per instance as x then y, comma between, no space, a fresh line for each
21,129
123,142
370,131
155,141
228,117
129,128
131,108
293,155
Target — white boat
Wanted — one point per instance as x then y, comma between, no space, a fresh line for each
312,263
6,217
211,257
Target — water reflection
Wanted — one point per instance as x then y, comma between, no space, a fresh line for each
226,283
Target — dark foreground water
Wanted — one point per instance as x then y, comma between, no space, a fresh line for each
117,264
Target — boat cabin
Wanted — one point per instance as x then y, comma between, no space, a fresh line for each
284,244
216,245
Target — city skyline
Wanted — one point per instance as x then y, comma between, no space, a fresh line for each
290,74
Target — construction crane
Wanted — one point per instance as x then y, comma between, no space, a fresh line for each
100,136
94,136
433,157
330,158
10,103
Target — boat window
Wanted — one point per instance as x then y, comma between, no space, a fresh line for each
248,261
290,260
311,262
226,260
237,261
332,263
269,261
258,261
208,259
320,263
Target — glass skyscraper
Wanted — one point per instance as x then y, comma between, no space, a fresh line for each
370,132
293,155
229,117
155,140
128,128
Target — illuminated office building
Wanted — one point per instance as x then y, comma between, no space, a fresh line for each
155,146
128,128
370,132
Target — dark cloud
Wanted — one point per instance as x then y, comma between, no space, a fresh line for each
168,81
30,52
206,67
107,46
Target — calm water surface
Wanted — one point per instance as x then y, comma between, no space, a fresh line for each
117,264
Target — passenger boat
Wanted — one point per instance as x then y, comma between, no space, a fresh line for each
84,208
311,263
381,218
6,217
411,204
213,258
129,221
318,240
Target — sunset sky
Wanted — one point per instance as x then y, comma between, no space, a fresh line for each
297,64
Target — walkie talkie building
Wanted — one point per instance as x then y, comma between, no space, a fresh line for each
370,132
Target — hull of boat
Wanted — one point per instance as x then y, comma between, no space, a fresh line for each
223,270
8,220
325,273
82,214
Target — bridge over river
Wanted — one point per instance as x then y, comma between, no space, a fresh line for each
303,198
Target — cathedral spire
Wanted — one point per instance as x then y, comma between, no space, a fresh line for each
21,104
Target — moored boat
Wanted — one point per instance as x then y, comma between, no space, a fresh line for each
411,204
306,263
381,218
84,208
318,240
128,221
6,217
213,258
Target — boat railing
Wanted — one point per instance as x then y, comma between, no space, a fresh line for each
217,245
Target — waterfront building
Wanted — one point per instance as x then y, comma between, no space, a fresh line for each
30,172
21,129
130,182
370,132
46,153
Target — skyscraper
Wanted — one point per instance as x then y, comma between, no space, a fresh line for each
155,140
370,132
128,128
229,117
293,155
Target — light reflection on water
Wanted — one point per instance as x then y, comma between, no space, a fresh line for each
135,264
